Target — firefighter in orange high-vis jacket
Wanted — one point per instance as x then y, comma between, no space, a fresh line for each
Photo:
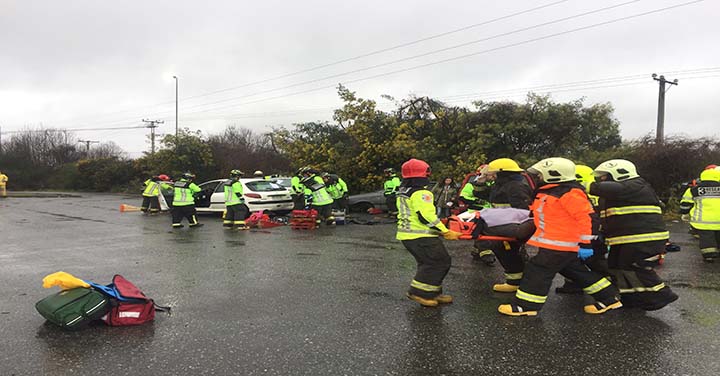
565,225
418,228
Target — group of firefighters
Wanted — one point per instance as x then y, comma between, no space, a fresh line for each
602,229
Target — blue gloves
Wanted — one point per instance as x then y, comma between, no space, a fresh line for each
585,253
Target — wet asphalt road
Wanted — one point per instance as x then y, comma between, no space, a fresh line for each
325,302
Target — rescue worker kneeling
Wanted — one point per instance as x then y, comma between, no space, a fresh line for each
565,223
418,229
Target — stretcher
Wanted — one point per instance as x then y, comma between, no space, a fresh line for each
516,225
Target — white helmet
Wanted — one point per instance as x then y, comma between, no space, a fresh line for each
619,169
554,170
258,173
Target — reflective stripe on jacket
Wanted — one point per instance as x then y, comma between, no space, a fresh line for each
183,193
416,215
563,217
703,204
152,188
320,196
234,194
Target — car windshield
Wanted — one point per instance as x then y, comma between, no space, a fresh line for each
264,186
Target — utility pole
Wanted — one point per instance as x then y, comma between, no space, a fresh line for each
152,124
176,107
87,145
660,134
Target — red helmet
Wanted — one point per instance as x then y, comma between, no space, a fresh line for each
163,177
710,167
415,168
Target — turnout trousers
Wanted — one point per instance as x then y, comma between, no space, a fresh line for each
508,253
433,264
180,212
298,201
709,243
632,268
324,214
542,268
150,204
236,215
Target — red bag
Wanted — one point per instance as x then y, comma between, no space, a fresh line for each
132,306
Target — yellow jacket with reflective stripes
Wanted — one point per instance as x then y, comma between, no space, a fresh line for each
703,204
184,191
234,193
152,188
416,215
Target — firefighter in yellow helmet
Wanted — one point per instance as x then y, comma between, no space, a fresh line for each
510,190
418,228
702,202
565,225
3,183
633,226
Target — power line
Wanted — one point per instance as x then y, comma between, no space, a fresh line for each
372,53
549,36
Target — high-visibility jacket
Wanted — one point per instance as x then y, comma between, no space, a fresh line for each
152,188
563,217
473,195
320,196
184,191
629,211
511,190
703,203
338,189
416,214
234,194
3,180
391,185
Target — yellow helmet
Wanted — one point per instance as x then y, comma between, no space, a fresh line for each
554,170
504,164
710,175
619,169
584,174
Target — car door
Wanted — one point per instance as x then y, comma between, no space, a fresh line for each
217,200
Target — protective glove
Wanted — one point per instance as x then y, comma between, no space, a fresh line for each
585,253
451,235
685,217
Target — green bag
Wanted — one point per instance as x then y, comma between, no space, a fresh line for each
74,309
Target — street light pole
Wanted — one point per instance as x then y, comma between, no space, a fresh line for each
176,105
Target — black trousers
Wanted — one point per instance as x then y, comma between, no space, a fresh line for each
180,212
508,253
433,264
709,243
341,204
298,201
151,204
236,215
542,268
632,267
484,247
391,202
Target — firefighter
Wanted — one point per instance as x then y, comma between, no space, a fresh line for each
338,190
703,203
475,194
510,190
565,224
236,210
596,261
418,229
299,191
632,223
184,201
153,186
390,187
3,184
320,199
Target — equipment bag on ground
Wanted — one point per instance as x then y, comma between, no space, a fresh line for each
132,307
74,309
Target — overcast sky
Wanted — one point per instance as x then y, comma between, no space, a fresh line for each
99,64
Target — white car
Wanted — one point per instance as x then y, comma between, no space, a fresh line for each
259,194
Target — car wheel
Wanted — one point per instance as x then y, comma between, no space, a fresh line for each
361,207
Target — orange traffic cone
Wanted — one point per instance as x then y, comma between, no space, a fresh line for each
128,208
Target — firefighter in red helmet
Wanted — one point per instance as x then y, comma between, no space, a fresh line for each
418,229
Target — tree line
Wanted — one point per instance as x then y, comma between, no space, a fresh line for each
362,140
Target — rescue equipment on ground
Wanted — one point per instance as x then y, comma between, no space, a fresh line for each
261,220
74,309
339,216
303,219
128,208
130,305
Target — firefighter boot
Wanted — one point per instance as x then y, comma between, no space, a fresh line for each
444,299
599,307
515,310
423,302
504,287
